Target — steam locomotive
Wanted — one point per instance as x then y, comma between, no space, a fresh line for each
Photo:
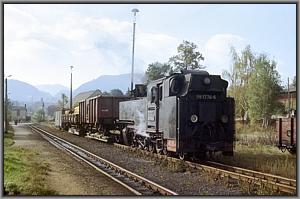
185,114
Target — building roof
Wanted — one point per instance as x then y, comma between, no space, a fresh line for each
291,89
83,96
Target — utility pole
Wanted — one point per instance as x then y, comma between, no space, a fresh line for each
6,105
133,38
43,112
289,103
71,67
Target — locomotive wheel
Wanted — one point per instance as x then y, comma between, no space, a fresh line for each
117,139
165,151
158,151
201,155
182,156
151,148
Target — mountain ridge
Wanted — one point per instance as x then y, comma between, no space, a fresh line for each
25,92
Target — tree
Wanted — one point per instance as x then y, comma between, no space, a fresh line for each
264,87
238,77
187,58
157,70
106,93
116,92
39,115
63,101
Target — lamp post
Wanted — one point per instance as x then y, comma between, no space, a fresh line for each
71,67
6,104
134,22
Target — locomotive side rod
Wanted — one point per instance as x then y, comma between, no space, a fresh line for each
133,182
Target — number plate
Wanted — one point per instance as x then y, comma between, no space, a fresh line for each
206,97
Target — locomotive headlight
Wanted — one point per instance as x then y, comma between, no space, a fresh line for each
194,118
224,118
206,81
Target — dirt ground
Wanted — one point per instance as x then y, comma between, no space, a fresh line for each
67,176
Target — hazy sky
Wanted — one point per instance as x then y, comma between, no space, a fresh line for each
42,40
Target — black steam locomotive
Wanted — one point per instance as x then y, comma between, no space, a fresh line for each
187,114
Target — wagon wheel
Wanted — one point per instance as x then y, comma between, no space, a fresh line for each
283,149
291,150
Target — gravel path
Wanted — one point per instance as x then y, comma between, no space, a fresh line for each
178,179
66,176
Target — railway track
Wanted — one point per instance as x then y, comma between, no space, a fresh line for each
274,182
283,184
136,184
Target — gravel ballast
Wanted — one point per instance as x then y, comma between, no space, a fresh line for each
180,179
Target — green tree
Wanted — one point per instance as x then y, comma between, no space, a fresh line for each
63,101
263,89
157,70
39,115
238,76
116,92
106,93
187,58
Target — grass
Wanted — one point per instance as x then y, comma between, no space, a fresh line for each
24,174
256,149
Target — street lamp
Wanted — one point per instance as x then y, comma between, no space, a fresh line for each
71,67
6,104
134,20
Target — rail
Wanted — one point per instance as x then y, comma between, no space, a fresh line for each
282,184
133,182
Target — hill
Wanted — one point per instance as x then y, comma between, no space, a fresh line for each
53,89
109,82
24,92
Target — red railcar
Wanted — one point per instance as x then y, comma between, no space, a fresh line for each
286,128
103,109
98,114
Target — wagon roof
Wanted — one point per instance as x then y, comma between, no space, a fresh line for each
85,95
291,89
109,96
